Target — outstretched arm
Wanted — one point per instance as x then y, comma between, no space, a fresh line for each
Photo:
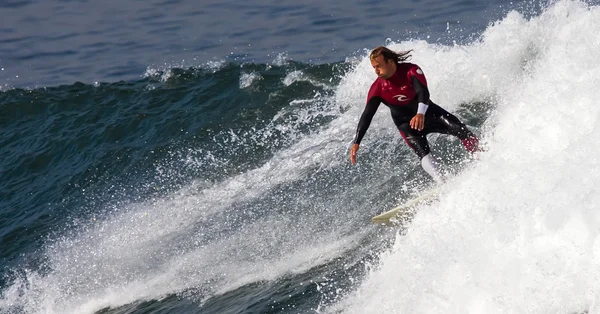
363,125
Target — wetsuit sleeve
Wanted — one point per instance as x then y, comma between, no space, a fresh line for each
366,118
419,82
421,90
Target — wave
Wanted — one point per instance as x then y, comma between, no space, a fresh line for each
250,164
516,232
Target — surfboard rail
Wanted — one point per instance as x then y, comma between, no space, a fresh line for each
386,218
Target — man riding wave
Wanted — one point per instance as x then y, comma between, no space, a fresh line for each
403,88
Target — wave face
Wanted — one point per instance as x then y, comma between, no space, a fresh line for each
227,187
188,182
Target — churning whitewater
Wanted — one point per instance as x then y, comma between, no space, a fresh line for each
518,232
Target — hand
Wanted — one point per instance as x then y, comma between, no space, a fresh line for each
418,121
353,151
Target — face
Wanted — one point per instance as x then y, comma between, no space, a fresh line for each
383,69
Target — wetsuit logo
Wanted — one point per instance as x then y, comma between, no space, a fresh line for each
401,97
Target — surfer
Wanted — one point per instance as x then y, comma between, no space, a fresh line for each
403,88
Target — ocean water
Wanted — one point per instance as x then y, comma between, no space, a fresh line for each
184,157
50,43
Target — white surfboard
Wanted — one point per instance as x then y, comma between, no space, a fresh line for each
387,217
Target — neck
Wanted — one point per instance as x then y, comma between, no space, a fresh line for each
394,67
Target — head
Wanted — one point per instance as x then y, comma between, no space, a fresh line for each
385,61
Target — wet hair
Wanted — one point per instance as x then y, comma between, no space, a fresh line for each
390,54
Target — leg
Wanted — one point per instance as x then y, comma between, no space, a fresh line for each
418,142
441,121
415,139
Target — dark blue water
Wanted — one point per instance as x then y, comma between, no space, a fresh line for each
48,43
191,157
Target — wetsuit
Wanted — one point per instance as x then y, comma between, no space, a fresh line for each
402,93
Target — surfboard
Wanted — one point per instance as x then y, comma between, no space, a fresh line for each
387,218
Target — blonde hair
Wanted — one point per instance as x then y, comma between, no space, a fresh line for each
390,54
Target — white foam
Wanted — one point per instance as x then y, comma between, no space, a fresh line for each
281,59
299,76
518,233
246,79
165,71
197,238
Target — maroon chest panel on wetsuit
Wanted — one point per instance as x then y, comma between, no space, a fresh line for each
398,89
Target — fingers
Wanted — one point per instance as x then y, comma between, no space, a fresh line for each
414,123
417,122
353,153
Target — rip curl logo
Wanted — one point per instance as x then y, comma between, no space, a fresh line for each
401,97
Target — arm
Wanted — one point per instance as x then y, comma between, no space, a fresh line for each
363,125
419,83
421,89
366,118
